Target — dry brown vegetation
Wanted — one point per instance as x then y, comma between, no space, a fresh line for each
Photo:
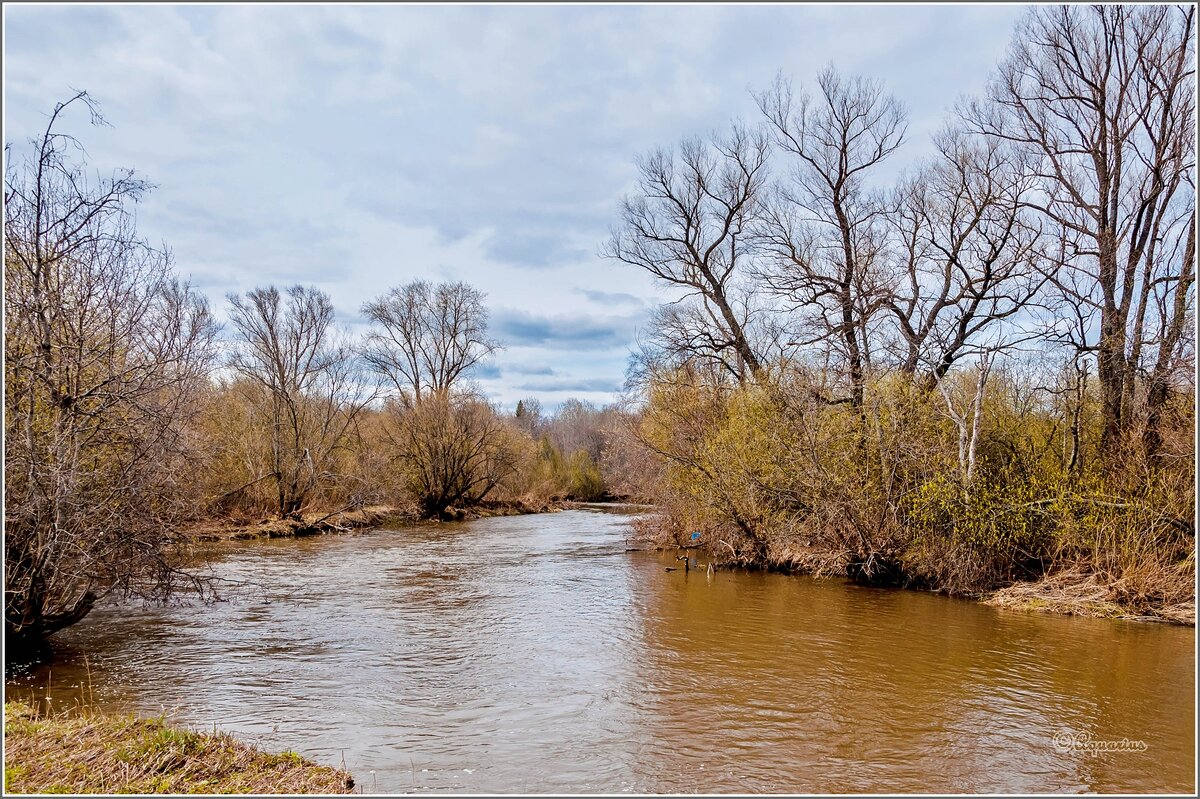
83,752
772,477
1078,592
105,355
317,523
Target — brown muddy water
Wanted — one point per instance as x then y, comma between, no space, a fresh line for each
533,654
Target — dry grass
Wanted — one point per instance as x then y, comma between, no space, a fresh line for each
522,506
797,556
88,752
1077,592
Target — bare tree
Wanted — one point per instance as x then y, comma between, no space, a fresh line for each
1175,312
104,354
630,470
689,224
1104,97
683,332
310,388
823,226
968,256
427,337
579,426
1071,392
450,446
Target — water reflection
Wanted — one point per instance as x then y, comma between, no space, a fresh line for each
535,654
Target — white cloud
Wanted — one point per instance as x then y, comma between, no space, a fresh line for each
361,147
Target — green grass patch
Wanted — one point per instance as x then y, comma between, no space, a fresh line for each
88,752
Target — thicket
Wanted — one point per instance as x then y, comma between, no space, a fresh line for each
979,373
771,475
450,454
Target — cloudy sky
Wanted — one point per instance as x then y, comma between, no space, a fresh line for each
359,148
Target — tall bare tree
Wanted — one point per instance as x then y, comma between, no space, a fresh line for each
427,337
689,225
1174,309
104,354
968,256
311,391
823,228
1104,96
450,445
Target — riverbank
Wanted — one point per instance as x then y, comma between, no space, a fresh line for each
348,519
1067,591
1070,591
1073,592
319,523
89,752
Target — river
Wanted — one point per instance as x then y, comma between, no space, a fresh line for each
534,654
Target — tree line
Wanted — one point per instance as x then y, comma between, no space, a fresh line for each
977,372
129,412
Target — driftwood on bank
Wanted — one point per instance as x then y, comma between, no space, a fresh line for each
319,523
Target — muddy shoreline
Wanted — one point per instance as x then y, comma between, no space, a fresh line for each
351,519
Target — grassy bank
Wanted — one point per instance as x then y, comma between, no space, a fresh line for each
89,752
1074,592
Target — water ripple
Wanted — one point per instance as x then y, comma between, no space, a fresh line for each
535,654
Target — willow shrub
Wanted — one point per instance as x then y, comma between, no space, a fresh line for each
582,477
772,468
969,539
768,467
